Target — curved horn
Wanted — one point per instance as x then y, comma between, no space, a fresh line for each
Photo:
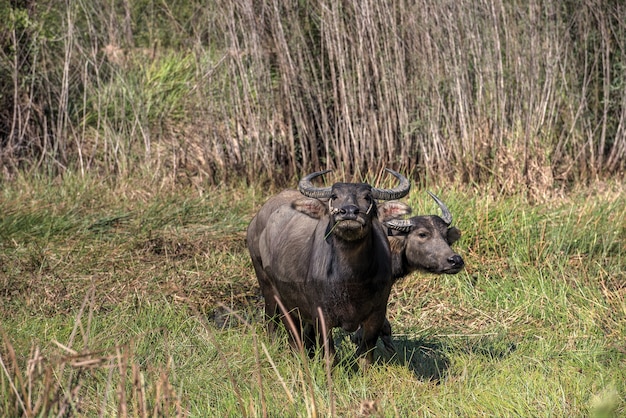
445,212
306,187
395,193
402,225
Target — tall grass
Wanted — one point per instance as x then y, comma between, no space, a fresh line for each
119,298
524,94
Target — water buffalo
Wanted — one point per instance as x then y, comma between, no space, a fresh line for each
423,242
323,257
419,243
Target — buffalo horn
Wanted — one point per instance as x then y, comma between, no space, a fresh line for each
306,187
402,225
395,193
445,212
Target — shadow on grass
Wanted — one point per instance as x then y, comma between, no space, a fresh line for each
428,358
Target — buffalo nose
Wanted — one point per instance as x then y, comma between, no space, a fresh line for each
456,260
349,211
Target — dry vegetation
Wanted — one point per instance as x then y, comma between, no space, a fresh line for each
522,95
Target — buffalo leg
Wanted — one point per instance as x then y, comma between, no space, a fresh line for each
269,294
327,344
313,336
294,329
385,336
330,344
310,339
372,328
271,307
271,311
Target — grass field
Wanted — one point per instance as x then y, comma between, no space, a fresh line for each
131,298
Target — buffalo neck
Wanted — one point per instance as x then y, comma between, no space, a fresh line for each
362,258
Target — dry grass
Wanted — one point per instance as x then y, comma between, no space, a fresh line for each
522,96
57,383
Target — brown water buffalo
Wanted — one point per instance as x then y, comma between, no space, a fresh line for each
323,257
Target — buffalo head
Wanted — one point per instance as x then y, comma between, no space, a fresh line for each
351,206
423,243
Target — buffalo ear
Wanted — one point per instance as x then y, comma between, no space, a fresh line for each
310,207
392,209
453,235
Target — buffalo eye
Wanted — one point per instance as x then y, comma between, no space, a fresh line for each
333,196
422,234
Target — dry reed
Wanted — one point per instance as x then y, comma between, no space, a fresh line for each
521,94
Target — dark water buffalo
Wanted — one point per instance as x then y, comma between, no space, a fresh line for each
423,243
419,243
324,255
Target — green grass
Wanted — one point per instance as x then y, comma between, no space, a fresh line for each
121,300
